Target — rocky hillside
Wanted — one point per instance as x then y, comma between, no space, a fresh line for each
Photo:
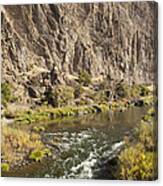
45,45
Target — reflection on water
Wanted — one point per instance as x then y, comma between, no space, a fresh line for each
82,145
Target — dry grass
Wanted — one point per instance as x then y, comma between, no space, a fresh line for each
17,144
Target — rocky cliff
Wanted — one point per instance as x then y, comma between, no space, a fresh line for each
49,44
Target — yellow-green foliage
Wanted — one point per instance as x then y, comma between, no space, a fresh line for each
59,96
150,116
6,93
147,130
123,90
146,135
38,128
144,90
50,113
149,100
139,90
38,155
136,163
151,111
16,144
100,97
135,91
84,78
12,111
5,167
103,107
63,95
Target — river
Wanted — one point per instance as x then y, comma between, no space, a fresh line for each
83,146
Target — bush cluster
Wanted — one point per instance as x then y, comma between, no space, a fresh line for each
139,160
17,145
84,78
6,93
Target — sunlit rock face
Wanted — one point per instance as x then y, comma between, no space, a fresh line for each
115,39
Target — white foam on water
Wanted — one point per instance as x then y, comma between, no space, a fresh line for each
117,145
86,166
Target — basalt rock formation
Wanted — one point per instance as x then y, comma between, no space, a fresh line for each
50,44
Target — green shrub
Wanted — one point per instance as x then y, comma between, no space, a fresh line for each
147,131
5,167
149,100
84,78
144,90
60,95
38,154
38,128
6,93
63,95
151,111
149,117
140,90
139,160
100,97
146,136
137,164
16,144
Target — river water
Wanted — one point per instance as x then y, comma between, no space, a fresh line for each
83,146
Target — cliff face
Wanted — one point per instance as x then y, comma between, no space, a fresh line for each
40,41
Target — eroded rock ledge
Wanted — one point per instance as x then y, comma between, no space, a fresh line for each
46,45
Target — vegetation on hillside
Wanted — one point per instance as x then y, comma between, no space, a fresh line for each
6,93
138,161
84,78
63,101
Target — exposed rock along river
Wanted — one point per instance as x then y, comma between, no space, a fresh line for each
41,41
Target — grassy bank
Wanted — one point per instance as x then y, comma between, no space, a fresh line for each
19,146
138,161
49,113
65,101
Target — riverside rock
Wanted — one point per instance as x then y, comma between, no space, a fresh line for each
41,42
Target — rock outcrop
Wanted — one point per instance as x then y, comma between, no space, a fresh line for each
49,44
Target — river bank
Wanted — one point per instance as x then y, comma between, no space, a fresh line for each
48,113
21,147
139,160
80,145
